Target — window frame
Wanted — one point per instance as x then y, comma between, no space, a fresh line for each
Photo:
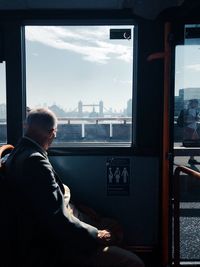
96,147
179,40
17,20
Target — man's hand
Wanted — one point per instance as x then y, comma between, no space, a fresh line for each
104,237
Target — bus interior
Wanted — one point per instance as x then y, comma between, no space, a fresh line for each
121,151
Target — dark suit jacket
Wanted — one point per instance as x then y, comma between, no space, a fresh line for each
44,227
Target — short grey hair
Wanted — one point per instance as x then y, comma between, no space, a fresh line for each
42,118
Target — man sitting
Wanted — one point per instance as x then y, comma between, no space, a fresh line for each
49,233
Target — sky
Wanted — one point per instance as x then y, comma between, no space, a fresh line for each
66,64
187,65
2,83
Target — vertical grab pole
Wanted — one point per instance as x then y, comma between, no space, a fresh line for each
166,148
165,142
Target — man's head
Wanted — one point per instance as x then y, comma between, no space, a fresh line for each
193,103
41,126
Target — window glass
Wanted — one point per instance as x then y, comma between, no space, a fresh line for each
187,141
83,74
187,89
3,124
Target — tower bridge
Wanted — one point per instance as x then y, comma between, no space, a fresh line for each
93,113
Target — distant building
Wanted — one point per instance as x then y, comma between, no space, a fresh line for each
185,94
80,109
58,111
129,108
3,111
101,108
190,93
178,105
93,114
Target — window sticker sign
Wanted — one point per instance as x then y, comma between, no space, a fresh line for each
118,176
120,34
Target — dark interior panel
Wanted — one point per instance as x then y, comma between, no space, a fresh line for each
86,176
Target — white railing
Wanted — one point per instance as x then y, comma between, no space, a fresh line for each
95,120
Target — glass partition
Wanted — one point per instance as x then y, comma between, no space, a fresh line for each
187,139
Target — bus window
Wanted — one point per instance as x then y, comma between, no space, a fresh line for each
187,138
84,75
187,90
3,125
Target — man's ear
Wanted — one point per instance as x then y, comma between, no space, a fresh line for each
51,132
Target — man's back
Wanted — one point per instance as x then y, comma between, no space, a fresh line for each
32,243
46,231
44,226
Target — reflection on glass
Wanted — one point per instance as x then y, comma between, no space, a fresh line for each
187,90
187,134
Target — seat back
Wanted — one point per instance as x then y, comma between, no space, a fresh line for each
4,151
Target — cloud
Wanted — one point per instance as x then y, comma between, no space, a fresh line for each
91,42
35,54
116,80
193,67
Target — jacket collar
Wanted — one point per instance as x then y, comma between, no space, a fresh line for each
28,141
